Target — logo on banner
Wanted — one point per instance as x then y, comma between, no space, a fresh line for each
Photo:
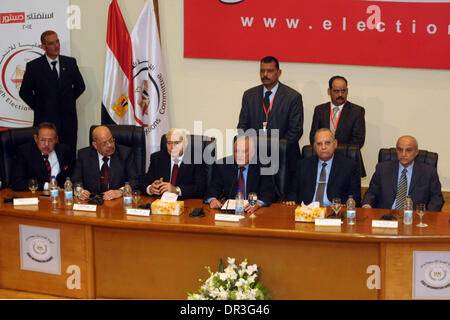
39,248
154,87
436,275
12,17
120,107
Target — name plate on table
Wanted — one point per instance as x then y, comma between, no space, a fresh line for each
139,212
384,224
227,217
85,207
25,201
328,222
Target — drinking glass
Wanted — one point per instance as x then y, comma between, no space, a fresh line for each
420,210
252,198
78,187
33,185
136,197
336,206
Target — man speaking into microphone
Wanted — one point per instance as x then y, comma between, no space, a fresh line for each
240,172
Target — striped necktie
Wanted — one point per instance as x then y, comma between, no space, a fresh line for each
401,191
322,182
48,168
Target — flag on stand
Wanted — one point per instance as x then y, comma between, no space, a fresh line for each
150,92
118,97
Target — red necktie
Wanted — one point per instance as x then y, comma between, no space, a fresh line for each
173,179
241,184
48,168
104,175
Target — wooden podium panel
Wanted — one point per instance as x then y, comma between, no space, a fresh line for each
164,265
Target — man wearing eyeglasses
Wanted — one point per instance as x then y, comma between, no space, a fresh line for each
344,119
174,171
41,159
104,167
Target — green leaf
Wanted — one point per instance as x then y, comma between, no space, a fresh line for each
221,265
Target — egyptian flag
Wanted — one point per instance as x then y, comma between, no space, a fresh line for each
118,98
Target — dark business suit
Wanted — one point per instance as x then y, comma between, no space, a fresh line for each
122,168
424,186
225,177
191,178
351,127
29,163
53,99
343,180
286,115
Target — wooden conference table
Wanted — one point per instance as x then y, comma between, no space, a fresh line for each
162,257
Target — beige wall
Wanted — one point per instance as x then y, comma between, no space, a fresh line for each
398,101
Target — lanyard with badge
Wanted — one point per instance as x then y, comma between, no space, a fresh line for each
267,112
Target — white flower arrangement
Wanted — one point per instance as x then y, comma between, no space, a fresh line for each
232,283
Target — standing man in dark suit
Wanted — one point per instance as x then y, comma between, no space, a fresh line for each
105,167
41,159
394,180
274,105
343,118
326,175
172,171
240,171
51,85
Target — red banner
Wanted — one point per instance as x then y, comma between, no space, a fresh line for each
377,33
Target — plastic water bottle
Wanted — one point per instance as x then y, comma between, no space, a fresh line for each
351,210
68,192
408,211
127,195
53,187
239,203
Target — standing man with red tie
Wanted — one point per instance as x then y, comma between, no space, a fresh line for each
174,171
51,85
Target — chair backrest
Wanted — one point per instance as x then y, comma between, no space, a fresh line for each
199,148
130,136
9,141
348,150
428,157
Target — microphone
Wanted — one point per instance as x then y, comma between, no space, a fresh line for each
226,210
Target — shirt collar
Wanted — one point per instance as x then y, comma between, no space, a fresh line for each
180,159
328,162
51,60
273,90
340,107
409,168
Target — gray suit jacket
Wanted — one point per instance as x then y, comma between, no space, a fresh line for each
122,168
424,186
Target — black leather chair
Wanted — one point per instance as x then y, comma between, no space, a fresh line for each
9,141
203,148
389,154
348,150
130,136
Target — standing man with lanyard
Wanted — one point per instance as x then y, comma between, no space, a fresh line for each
274,106
344,119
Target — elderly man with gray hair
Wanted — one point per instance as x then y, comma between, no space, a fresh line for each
174,171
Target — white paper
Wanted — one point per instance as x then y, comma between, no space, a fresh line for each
384,224
312,205
228,217
25,201
169,197
139,212
328,222
230,204
85,207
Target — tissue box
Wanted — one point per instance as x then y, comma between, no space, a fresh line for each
167,208
305,214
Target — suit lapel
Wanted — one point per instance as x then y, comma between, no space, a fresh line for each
277,101
93,162
393,172
38,164
312,177
344,114
414,177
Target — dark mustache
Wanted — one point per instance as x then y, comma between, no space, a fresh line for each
265,78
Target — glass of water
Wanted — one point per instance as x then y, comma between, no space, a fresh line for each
78,187
336,206
420,210
33,185
136,197
252,199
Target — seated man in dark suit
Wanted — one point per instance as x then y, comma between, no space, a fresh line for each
174,171
41,159
240,171
105,167
394,180
343,118
326,175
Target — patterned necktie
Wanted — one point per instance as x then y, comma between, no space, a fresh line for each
322,183
241,182
267,100
104,175
333,123
54,71
48,168
401,191
173,178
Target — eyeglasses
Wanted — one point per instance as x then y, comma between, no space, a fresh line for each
105,143
170,143
44,140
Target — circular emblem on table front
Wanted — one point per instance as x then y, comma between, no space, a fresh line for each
39,249
437,275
